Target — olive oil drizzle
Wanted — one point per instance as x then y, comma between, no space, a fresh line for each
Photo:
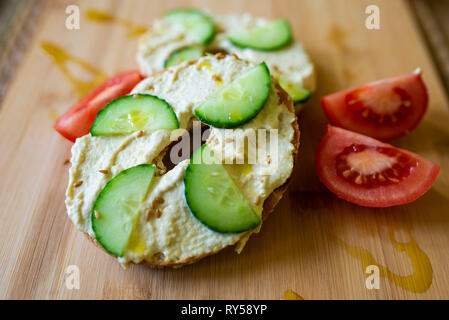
418,282
292,295
62,58
133,29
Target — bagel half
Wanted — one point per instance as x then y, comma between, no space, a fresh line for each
79,200
162,39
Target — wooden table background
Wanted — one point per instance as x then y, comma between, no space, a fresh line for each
314,244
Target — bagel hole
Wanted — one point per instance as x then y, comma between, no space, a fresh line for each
167,159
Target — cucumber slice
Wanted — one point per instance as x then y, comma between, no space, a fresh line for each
183,54
272,36
296,92
195,23
117,207
133,113
239,102
213,197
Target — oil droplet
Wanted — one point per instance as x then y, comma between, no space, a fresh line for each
246,169
136,244
205,64
134,30
291,295
337,36
62,58
54,115
418,282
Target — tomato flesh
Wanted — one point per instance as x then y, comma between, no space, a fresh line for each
371,173
371,167
384,110
76,122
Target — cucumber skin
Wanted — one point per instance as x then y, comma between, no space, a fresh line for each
187,193
200,13
100,195
167,61
303,100
275,48
92,129
228,125
307,96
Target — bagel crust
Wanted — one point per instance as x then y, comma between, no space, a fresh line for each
176,238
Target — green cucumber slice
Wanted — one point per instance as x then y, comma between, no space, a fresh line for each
238,102
116,209
183,54
195,23
272,36
133,113
213,197
296,92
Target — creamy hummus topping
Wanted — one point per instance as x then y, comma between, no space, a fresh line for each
167,232
163,38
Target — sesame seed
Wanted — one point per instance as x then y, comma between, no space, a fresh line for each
217,78
346,173
78,184
219,55
103,171
97,214
139,134
157,201
158,213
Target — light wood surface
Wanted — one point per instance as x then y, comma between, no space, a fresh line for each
314,244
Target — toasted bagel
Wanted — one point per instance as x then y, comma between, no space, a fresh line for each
177,238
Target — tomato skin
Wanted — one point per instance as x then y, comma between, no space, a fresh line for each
76,122
338,112
411,188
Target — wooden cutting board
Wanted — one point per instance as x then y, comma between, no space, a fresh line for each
314,244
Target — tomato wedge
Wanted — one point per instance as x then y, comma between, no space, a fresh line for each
77,121
385,109
371,173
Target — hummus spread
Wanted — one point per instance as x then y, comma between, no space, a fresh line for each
175,234
163,38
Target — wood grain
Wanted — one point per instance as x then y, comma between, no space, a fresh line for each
304,246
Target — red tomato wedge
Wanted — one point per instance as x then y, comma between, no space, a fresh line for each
371,173
385,109
77,121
